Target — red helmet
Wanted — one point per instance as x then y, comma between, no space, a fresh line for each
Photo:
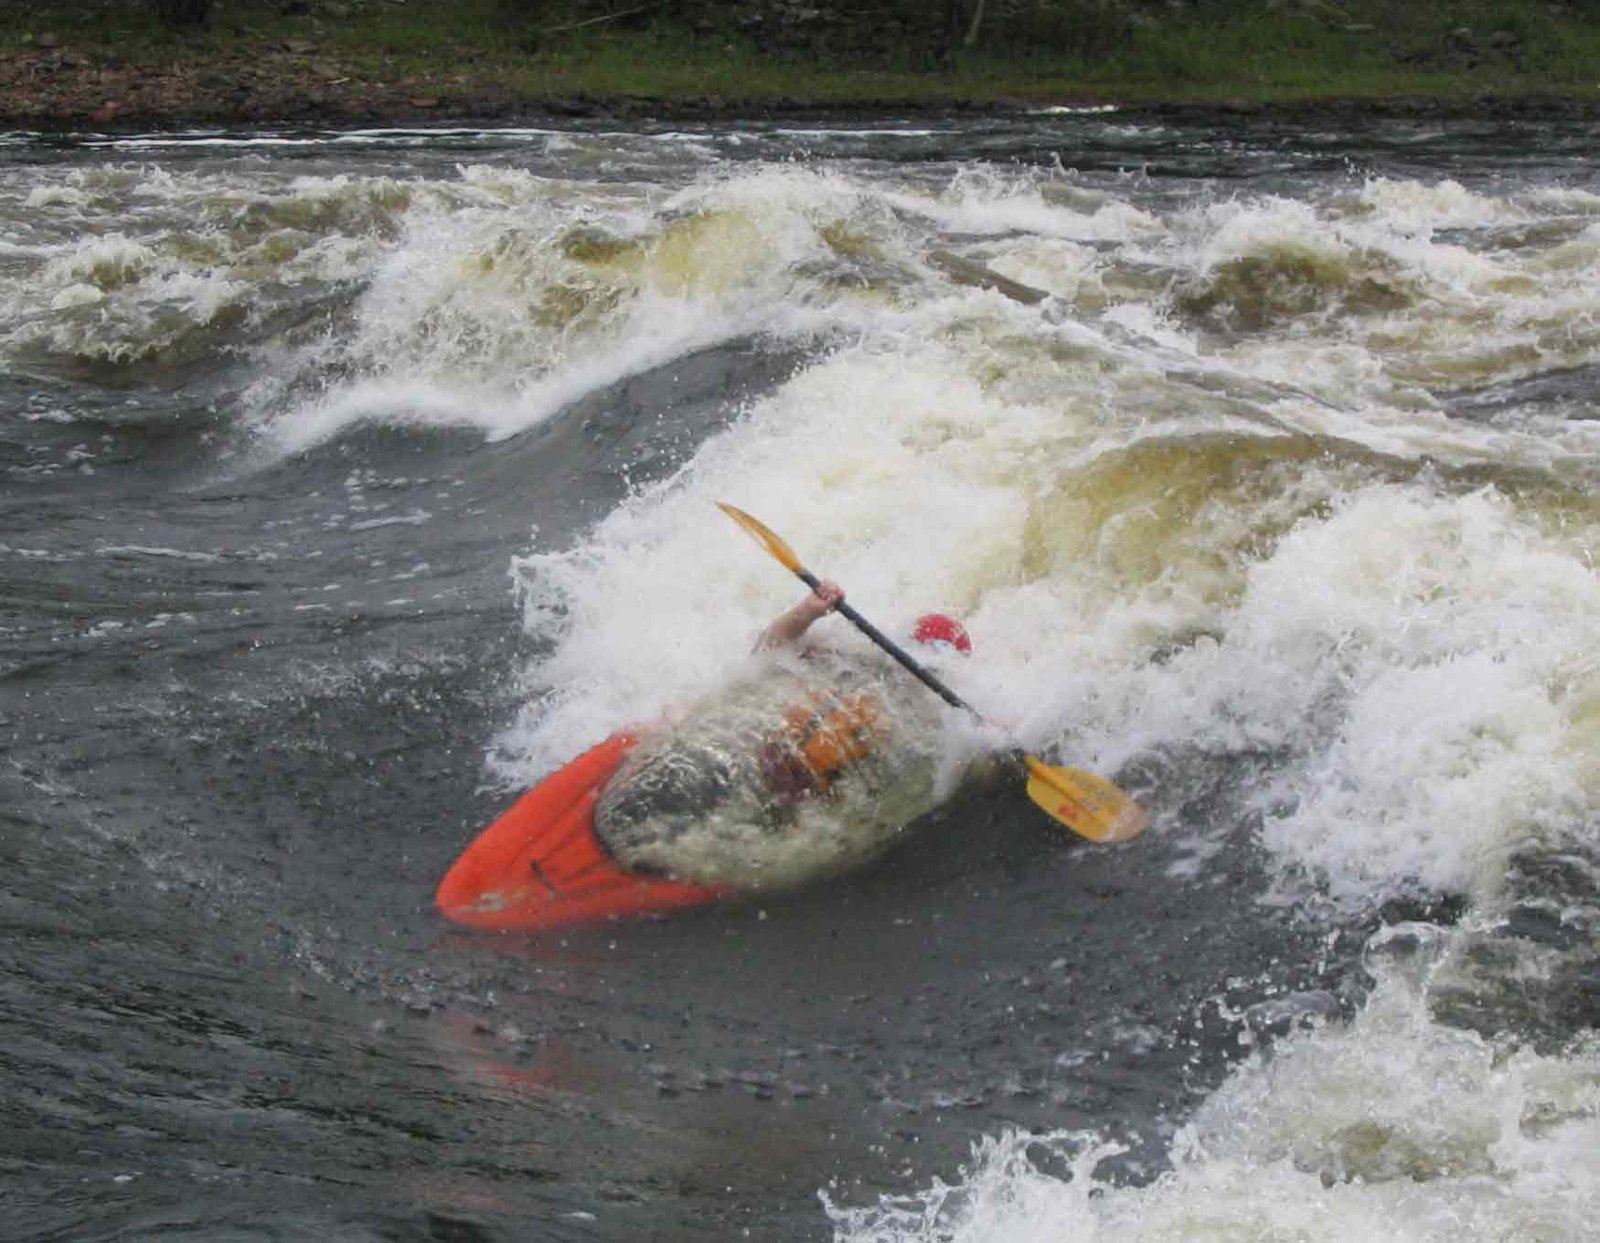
941,628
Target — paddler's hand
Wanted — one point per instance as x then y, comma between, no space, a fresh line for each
822,601
787,628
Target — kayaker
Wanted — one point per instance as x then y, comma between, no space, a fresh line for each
827,732
815,759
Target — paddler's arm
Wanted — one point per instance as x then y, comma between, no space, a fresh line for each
786,628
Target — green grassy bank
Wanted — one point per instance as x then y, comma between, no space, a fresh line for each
492,57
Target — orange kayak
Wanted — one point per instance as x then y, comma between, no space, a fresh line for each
541,866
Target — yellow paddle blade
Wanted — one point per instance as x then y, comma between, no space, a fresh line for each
1088,805
764,536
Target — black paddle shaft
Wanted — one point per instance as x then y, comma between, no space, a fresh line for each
890,646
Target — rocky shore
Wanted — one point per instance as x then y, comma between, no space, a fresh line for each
50,86
58,88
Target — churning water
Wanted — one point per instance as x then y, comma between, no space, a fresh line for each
354,481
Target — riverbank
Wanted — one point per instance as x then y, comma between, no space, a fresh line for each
339,64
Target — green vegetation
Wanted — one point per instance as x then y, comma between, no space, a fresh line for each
530,52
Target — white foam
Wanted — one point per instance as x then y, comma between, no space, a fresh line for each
1391,1129
481,287
1428,659
846,463
141,550
982,200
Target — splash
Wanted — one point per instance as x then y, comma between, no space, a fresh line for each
1390,1128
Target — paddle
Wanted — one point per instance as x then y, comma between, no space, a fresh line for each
1088,805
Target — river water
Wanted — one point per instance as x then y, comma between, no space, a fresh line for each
353,481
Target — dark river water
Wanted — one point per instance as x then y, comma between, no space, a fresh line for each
354,481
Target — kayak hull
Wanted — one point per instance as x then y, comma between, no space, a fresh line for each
541,866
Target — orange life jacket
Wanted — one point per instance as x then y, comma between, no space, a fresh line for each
827,733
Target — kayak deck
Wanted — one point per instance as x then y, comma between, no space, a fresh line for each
541,866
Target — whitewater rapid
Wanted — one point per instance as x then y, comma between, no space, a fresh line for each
1272,497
